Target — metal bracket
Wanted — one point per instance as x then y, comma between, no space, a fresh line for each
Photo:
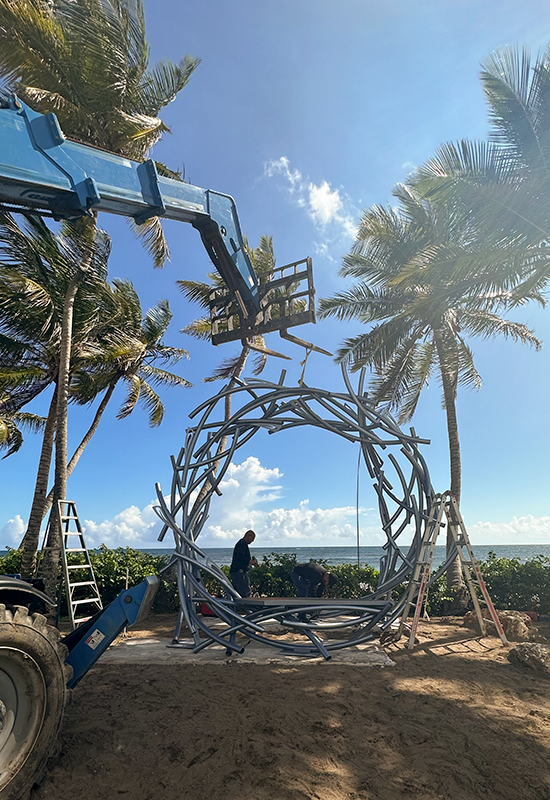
149,179
47,137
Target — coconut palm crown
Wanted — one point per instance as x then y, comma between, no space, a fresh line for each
504,184
87,61
419,318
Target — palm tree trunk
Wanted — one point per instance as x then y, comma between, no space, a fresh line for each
50,564
454,571
83,444
31,539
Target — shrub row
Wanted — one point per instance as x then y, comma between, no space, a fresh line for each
511,583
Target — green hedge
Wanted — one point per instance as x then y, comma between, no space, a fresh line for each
10,564
523,587
511,584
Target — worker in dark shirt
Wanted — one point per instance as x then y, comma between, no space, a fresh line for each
312,579
241,563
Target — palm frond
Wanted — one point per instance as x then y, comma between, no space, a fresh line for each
152,404
31,422
152,236
487,325
518,95
162,377
161,84
468,375
227,369
199,329
11,437
156,321
133,386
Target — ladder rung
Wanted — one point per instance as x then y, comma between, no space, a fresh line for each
82,583
79,566
75,550
87,600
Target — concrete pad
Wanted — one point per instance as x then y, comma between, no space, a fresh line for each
158,651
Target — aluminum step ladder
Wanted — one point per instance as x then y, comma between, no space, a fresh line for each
445,506
83,598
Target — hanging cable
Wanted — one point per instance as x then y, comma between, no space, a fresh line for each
357,505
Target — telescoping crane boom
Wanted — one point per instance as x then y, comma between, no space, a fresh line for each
43,170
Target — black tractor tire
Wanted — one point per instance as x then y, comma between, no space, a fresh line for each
33,691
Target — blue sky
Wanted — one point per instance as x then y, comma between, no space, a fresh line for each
308,112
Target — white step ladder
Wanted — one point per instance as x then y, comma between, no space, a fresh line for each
445,505
83,598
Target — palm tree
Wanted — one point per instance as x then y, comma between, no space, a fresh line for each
37,268
127,350
420,316
112,341
504,185
88,61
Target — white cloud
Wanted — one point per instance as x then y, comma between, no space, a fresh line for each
249,488
520,530
325,204
295,527
12,532
334,215
132,527
281,166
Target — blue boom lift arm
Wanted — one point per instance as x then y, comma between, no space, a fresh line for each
41,169
90,640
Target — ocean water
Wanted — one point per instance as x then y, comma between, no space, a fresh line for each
368,555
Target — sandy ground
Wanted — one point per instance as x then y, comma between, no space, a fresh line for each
451,720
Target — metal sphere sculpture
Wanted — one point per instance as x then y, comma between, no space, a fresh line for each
400,478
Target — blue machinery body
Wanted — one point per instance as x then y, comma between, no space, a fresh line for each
41,169
90,640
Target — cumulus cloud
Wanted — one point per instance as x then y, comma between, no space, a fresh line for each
252,498
520,530
12,532
295,527
133,527
325,204
332,212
